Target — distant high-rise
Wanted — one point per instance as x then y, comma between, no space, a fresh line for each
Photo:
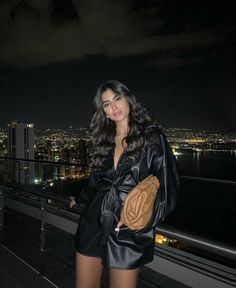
21,145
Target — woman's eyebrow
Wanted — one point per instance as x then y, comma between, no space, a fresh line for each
111,99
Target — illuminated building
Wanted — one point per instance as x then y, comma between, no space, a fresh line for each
21,146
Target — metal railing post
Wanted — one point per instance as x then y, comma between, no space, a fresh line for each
42,236
2,207
2,204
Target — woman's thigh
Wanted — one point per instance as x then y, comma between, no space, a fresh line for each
123,278
88,271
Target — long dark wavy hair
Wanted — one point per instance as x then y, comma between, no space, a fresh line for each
103,130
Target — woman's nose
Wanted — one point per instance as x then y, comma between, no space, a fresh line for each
113,105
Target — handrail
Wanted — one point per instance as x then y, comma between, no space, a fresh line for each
198,242
188,238
184,177
209,180
45,194
45,161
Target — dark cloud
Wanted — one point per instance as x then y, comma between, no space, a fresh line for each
40,32
178,58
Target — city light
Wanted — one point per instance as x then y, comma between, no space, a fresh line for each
58,145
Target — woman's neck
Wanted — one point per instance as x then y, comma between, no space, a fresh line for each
122,129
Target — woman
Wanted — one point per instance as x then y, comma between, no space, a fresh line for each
126,147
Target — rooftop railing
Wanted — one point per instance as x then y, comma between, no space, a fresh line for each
197,226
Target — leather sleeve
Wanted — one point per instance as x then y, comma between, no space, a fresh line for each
84,196
165,167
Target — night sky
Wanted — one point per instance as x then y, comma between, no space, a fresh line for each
177,57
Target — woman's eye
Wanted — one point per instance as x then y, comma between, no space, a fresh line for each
117,98
106,105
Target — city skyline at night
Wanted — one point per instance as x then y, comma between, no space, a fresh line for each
202,153
57,144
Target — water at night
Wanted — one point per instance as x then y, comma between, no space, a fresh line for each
216,165
207,209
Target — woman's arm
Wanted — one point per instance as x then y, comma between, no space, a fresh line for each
83,197
164,166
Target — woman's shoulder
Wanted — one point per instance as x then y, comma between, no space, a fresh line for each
153,134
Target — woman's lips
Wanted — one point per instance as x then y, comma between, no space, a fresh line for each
115,114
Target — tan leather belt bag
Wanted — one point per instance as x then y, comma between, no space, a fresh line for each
138,205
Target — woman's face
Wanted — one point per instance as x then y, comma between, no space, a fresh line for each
116,107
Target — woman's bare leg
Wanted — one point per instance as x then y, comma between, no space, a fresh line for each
88,271
123,278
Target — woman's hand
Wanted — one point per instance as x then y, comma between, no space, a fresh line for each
72,203
117,229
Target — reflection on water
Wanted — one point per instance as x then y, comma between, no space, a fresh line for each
196,159
206,209
210,164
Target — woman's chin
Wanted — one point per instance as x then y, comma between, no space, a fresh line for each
119,118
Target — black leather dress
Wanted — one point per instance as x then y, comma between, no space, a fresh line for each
104,196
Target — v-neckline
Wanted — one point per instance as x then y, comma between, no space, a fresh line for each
119,158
